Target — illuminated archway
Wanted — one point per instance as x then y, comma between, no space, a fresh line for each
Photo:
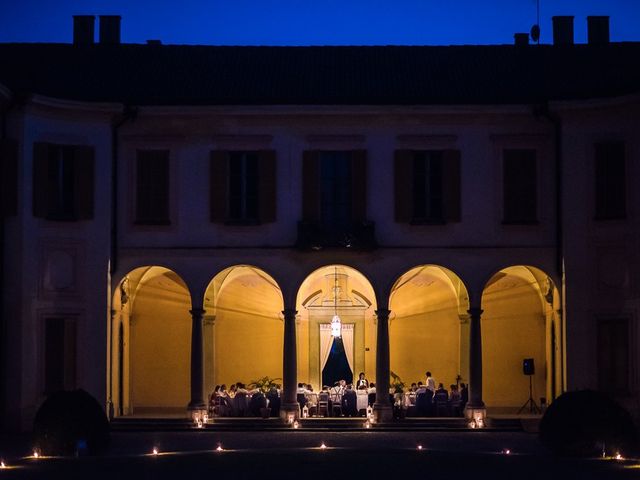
428,329
521,320
243,327
317,304
151,343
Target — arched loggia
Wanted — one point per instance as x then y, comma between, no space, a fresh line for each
243,327
325,292
150,343
429,328
521,320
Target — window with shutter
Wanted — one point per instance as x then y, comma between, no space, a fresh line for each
520,186
243,187
610,181
152,187
336,187
267,177
613,355
427,186
60,354
63,182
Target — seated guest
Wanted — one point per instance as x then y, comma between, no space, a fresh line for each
454,394
350,402
300,396
256,403
414,387
274,401
421,388
362,383
424,399
464,395
441,393
372,394
232,390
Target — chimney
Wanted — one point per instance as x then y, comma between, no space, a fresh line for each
110,29
598,30
521,39
562,30
83,29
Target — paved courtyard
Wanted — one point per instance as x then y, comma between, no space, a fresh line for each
298,454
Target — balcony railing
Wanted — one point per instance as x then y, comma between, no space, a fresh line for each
357,236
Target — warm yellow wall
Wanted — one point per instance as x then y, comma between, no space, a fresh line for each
160,349
426,341
370,343
302,347
247,347
513,328
424,331
248,331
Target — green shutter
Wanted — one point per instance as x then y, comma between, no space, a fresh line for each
218,185
451,185
9,170
359,186
311,186
267,185
40,179
84,182
403,180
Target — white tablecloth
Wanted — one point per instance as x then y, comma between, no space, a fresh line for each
362,399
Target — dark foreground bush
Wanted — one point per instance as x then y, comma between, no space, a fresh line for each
69,423
580,423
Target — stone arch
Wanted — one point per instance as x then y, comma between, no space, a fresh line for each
150,342
521,319
429,329
243,328
316,304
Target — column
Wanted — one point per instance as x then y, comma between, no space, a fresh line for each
197,357
208,323
289,404
112,362
475,407
382,407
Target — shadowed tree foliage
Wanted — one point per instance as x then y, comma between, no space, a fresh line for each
584,422
69,423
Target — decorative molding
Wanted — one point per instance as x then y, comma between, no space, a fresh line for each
242,142
425,142
335,141
60,271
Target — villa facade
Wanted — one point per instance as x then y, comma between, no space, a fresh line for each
176,217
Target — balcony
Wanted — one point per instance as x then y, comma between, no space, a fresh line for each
314,236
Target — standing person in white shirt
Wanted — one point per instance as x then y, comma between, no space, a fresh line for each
431,383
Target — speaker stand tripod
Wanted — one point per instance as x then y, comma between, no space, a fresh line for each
530,403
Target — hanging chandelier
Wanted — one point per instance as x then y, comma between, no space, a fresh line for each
336,324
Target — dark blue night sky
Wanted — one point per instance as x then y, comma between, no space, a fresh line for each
308,22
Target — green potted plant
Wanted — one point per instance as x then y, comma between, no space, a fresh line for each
264,384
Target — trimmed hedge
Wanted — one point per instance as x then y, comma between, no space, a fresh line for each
70,423
579,423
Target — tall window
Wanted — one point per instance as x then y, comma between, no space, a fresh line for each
613,355
427,186
520,187
152,187
335,189
63,182
243,186
610,181
60,354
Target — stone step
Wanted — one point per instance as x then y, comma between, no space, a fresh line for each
124,424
